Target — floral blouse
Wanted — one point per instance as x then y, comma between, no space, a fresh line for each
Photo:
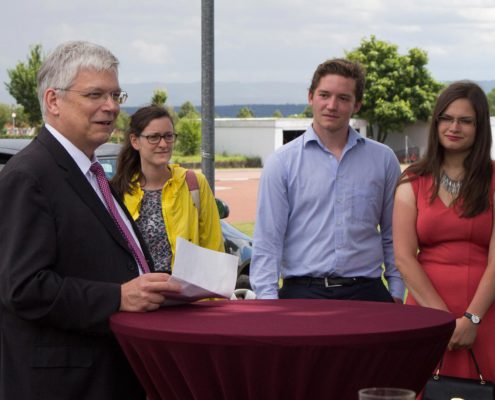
152,227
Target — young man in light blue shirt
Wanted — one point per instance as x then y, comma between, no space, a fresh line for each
324,214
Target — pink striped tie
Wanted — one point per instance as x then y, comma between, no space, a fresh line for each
97,169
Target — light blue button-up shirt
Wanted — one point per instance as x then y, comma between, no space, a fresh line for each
318,216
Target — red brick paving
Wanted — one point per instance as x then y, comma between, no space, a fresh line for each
239,189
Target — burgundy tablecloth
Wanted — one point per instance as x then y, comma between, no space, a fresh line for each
281,349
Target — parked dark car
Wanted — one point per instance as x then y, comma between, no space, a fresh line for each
236,242
107,153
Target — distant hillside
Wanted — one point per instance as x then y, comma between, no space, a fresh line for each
487,86
259,110
262,98
226,93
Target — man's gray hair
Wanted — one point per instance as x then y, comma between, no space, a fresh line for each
60,68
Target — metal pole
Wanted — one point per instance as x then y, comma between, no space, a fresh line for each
407,151
208,92
13,122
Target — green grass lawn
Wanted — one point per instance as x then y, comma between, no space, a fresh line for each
245,227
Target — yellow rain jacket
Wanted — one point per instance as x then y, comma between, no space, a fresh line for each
180,213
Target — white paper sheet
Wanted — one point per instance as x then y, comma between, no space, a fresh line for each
202,273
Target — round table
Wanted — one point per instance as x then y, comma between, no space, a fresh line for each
281,349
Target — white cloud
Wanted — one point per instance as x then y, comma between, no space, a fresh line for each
150,53
436,50
255,40
475,14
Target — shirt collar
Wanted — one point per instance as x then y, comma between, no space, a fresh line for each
352,139
82,161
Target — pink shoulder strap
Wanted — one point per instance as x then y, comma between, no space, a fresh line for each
192,180
193,185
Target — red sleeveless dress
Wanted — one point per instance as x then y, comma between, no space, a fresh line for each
454,252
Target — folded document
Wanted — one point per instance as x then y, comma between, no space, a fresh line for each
201,273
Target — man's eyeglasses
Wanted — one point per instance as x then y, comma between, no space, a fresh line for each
462,121
119,96
155,138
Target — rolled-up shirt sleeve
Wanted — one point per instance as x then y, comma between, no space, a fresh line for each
271,223
392,274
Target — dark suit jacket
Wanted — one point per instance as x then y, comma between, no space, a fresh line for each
62,261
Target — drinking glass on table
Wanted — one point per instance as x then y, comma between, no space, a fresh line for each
386,394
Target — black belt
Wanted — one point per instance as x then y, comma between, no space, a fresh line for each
327,281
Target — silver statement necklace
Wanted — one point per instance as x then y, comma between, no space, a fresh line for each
451,186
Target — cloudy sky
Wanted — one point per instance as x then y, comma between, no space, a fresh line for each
255,40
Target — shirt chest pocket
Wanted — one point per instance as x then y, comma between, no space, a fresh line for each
366,204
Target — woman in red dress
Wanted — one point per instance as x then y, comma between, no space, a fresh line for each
443,228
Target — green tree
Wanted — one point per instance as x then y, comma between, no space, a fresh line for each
399,89
308,112
21,119
277,114
5,115
245,112
187,110
491,102
159,97
123,121
22,86
189,136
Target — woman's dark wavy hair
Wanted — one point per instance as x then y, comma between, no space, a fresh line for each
474,197
129,162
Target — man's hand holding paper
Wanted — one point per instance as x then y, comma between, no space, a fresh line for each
201,273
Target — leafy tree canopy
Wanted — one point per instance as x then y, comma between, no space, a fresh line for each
123,121
491,102
159,97
307,112
399,89
245,112
6,116
22,86
187,110
189,136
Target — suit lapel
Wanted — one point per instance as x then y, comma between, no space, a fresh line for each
137,232
76,179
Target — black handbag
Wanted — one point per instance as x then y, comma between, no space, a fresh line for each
442,387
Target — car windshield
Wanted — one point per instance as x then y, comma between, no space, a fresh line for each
107,154
109,165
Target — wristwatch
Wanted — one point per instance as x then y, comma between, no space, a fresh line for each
475,319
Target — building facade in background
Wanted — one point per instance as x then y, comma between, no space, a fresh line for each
259,137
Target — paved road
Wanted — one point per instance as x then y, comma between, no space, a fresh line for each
239,189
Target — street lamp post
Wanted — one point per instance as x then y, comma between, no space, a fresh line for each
208,91
13,122
407,151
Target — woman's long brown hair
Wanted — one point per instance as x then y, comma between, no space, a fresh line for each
129,161
474,196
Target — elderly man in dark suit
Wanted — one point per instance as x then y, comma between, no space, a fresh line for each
70,256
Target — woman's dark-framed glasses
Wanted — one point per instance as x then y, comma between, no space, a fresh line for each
155,138
445,119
